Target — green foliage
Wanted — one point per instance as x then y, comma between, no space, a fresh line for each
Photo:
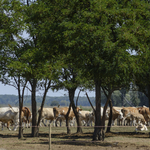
54,103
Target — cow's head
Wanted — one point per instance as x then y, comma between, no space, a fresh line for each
125,112
55,111
78,109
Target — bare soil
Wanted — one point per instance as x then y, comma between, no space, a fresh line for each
120,138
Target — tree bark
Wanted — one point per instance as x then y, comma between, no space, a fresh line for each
104,112
67,120
71,98
21,97
20,135
43,101
110,117
35,129
97,129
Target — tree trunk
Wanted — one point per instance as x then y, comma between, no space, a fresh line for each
104,112
110,117
20,135
97,129
43,101
35,129
67,120
71,98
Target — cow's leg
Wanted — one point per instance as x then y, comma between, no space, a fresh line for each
26,123
43,122
60,122
8,124
29,124
131,122
54,123
15,126
112,123
2,126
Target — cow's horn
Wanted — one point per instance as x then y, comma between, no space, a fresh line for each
11,107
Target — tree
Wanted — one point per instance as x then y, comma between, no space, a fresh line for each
11,29
98,35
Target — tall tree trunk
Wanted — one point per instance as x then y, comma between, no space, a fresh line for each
67,120
20,135
71,98
110,117
97,128
43,101
21,97
35,129
104,112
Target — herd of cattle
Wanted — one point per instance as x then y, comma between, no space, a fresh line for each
133,116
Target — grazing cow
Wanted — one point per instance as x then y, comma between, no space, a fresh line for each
146,113
60,113
91,115
8,114
127,111
26,116
85,117
141,127
47,114
137,118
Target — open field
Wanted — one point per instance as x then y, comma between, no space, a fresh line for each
123,138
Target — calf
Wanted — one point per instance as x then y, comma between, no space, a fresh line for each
141,127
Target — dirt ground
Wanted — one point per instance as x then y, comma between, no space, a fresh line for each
120,138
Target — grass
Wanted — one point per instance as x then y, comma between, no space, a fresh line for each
125,136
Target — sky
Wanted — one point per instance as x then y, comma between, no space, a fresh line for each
9,90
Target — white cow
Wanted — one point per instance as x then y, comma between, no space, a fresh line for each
8,114
47,114
85,117
140,127
91,116
120,117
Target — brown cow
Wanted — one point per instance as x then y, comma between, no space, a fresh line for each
146,113
62,111
137,118
8,124
115,115
127,111
47,114
26,116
